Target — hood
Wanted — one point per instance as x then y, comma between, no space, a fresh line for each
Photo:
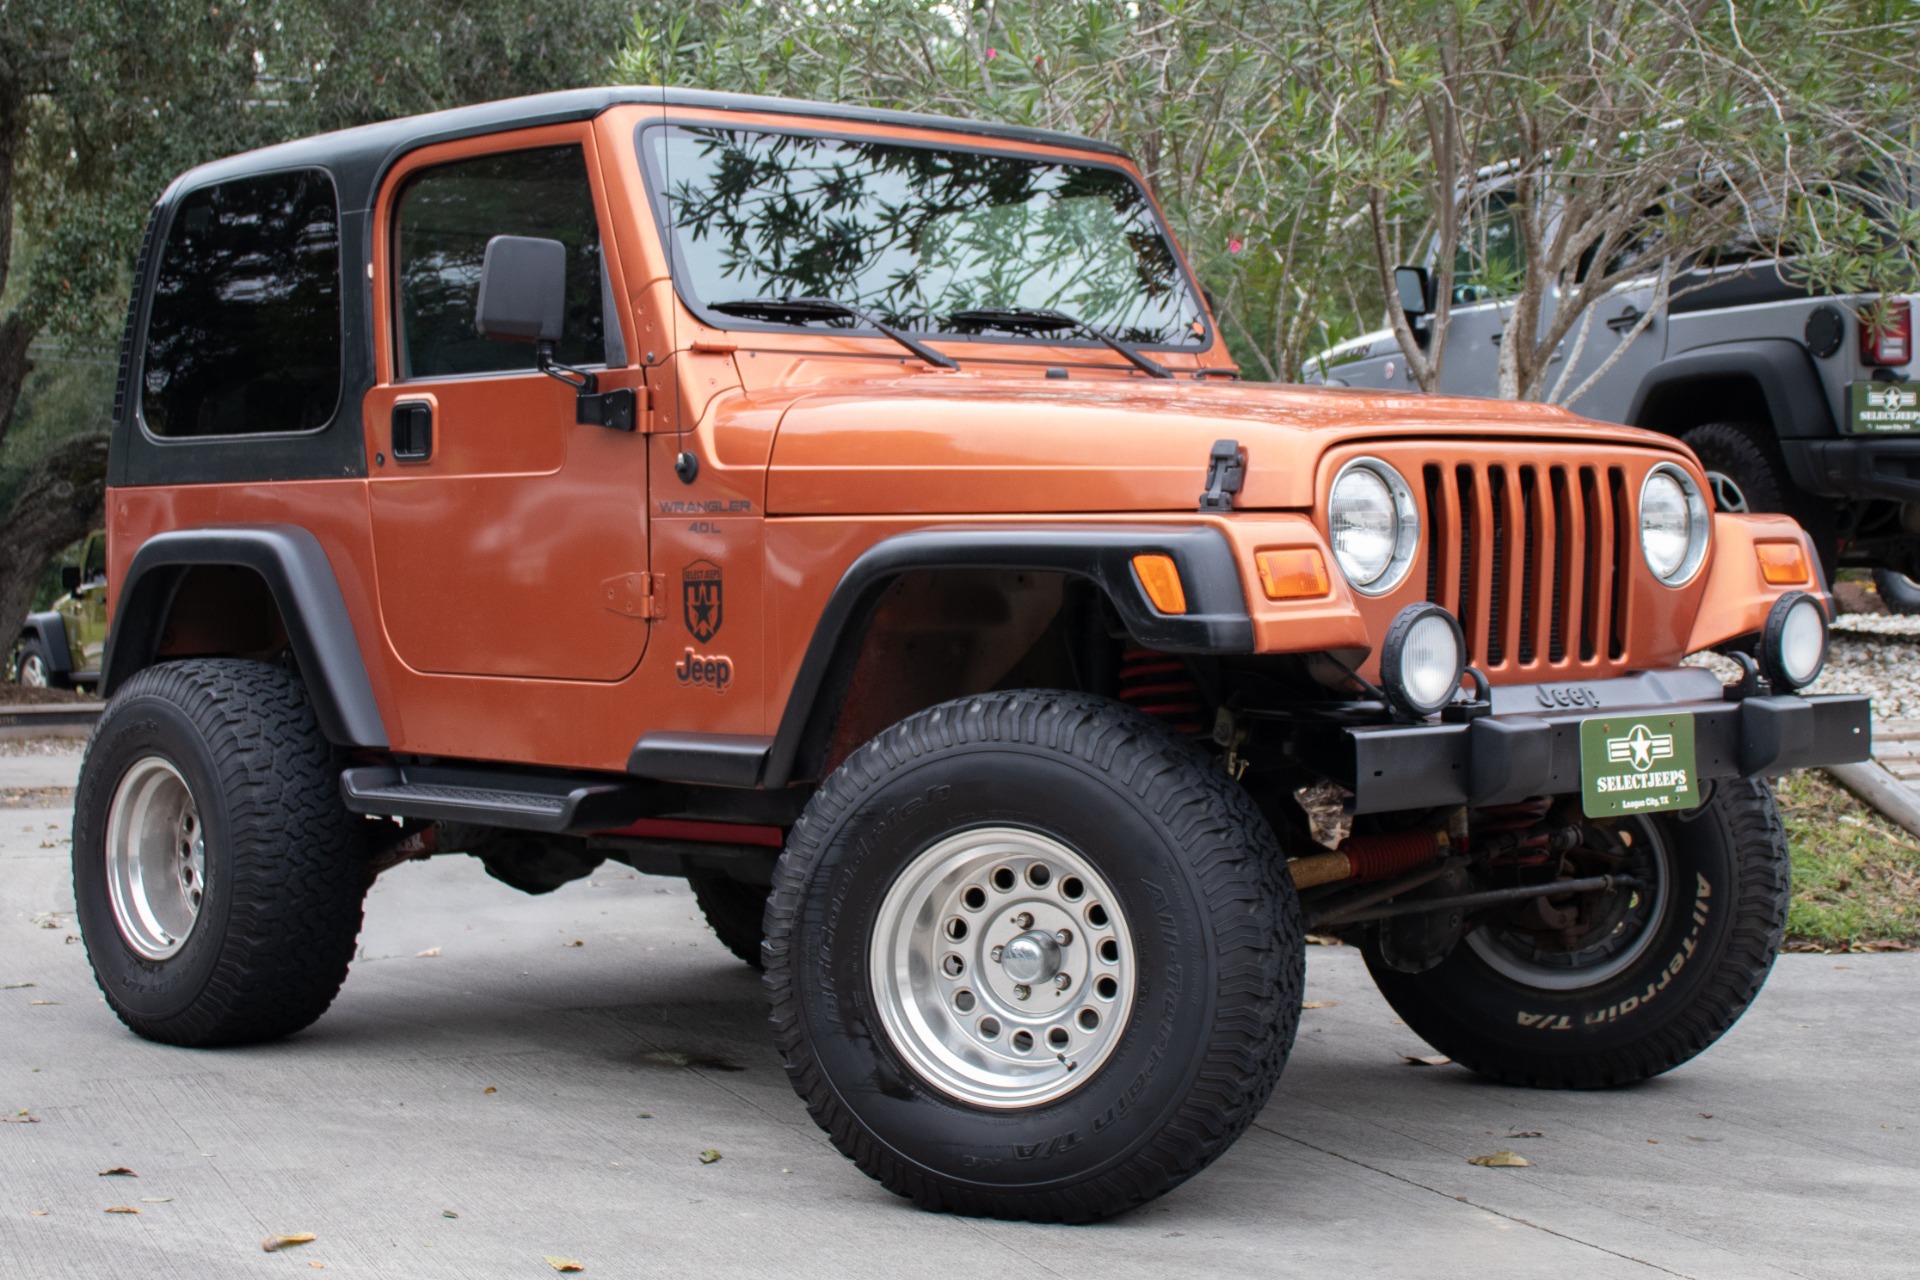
956,443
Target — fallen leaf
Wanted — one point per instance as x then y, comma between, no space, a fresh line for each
709,1156
43,1002
19,1117
1653,1142
1705,1115
489,1089
646,1115
1319,1004
1502,1160
1323,940
564,1264
16,986
121,1208
38,1213
448,1213
156,1199
428,954
118,1171
1426,1059
1524,1133
273,1244
577,942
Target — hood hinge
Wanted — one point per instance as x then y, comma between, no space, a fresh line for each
1226,468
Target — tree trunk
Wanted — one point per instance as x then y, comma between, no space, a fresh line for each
15,334
62,501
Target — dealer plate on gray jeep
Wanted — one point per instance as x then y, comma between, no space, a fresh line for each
1883,408
1637,764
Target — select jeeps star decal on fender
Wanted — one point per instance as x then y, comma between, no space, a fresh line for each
700,599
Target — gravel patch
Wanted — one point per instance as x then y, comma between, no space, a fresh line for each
1870,654
1877,624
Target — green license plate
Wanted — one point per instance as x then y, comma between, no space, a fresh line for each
1637,764
1883,408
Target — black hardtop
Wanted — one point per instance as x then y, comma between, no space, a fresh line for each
357,157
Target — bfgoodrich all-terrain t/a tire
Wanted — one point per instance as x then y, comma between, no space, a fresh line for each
734,911
217,877
1660,996
1031,955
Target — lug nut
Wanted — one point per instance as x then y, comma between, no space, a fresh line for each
1064,937
1024,920
1061,982
1022,991
995,954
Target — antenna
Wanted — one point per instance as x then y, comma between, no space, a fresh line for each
685,465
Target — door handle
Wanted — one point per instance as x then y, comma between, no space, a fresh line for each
1626,319
412,436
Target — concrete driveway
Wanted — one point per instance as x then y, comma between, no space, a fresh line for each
546,1083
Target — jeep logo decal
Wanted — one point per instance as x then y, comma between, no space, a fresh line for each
715,670
700,599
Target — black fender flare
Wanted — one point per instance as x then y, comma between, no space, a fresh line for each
295,568
1781,368
1217,621
50,629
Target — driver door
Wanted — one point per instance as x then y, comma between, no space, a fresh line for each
509,539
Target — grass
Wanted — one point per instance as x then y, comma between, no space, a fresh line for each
1856,876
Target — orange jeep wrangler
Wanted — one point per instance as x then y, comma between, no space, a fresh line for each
858,514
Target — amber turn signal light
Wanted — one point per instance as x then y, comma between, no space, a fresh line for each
1293,573
1160,576
1783,564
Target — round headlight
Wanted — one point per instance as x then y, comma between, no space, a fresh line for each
1793,645
1373,525
1421,659
1673,524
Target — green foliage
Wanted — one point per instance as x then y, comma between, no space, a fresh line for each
1856,876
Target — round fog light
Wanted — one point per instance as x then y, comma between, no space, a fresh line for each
1793,646
1421,659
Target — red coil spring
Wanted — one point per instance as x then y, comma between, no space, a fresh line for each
1385,855
1159,685
1523,816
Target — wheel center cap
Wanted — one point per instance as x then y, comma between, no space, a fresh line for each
1032,957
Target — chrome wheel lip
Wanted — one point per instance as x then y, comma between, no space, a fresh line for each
920,1000
156,859
1503,958
33,672
1727,493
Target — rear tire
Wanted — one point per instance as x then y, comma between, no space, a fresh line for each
735,912
1706,951
1162,901
217,876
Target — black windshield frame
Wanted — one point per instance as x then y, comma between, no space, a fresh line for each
657,198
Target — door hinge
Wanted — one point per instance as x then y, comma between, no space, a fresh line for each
635,595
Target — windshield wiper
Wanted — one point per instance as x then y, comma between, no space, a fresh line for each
801,310
1043,320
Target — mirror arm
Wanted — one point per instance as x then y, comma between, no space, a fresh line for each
579,379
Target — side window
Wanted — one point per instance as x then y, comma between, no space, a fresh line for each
243,334
443,220
1490,259
94,566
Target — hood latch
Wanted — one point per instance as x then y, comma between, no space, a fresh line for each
1226,468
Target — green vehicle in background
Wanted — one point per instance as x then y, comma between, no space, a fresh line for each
61,648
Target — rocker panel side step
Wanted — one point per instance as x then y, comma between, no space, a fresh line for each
446,793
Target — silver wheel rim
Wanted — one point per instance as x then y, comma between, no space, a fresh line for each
1634,922
33,672
1727,495
156,858
1002,967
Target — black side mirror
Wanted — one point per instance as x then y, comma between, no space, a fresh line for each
523,290
69,577
1415,287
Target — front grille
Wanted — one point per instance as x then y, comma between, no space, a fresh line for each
1532,559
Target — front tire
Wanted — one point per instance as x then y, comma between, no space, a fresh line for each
1654,989
34,668
1030,955
217,877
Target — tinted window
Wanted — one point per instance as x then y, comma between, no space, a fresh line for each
446,216
244,331
1491,259
915,234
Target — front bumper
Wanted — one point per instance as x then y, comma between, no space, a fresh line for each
1529,743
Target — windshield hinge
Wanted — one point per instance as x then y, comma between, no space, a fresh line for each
1226,467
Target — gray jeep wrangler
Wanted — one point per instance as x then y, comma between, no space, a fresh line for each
1795,403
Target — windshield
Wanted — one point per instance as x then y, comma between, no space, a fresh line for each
914,234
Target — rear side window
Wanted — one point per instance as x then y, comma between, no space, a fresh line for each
445,217
243,333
